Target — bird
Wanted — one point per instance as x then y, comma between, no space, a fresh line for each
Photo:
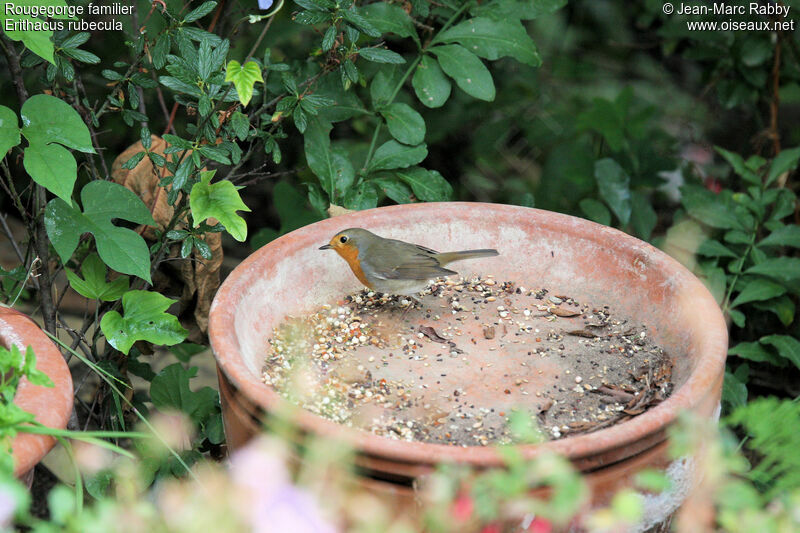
391,266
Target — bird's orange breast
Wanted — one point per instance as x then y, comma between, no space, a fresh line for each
350,254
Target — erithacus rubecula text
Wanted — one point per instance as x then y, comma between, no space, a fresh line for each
391,266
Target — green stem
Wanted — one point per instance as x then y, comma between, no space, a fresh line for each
450,21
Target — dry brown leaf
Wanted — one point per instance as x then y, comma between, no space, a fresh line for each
566,313
337,210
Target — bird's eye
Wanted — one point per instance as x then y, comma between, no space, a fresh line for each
343,239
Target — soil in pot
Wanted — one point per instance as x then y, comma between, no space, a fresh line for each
468,363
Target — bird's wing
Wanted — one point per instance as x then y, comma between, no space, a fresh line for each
417,263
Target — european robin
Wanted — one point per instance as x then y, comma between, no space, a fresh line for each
391,266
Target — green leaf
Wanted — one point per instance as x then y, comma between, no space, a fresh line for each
390,18
199,12
381,55
186,350
52,167
38,42
470,74
331,166
782,307
739,166
518,9
643,216
94,285
734,392
754,351
706,207
392,154
240,124
604,118
220,200
359,22
329,38
9,130
428,185
492,39
170,390
613,184
788,235
713,248
46,119
122,249
758,290
783,269
430,84
244,78
393,188
381,90
596,211
788,347
783,162
362,197
405,124
145,319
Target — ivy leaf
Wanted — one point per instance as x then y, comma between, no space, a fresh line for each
405,124
381,55
492,39
94,285
38,42
430,84
244,78
469,72
170,390
145,319
122,249
9,130
614,187
428,185
52,167
47,119
220,200
392,154
758,290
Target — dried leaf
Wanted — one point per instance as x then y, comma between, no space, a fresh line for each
566,313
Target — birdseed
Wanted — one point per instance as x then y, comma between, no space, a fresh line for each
472,354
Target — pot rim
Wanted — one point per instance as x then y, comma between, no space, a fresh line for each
51,406
709,368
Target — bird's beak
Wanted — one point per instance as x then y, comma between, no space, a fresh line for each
325,247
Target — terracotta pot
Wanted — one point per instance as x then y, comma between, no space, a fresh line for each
51,406
568,255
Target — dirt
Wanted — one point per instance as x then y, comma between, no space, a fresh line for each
473,362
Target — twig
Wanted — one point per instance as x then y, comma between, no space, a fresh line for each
37,230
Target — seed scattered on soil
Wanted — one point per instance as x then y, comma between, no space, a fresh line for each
468,357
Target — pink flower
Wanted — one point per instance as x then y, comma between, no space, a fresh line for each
271,503
462,507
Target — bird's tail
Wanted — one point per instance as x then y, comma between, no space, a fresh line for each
449,257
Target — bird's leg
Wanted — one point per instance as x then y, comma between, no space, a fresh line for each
414,301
